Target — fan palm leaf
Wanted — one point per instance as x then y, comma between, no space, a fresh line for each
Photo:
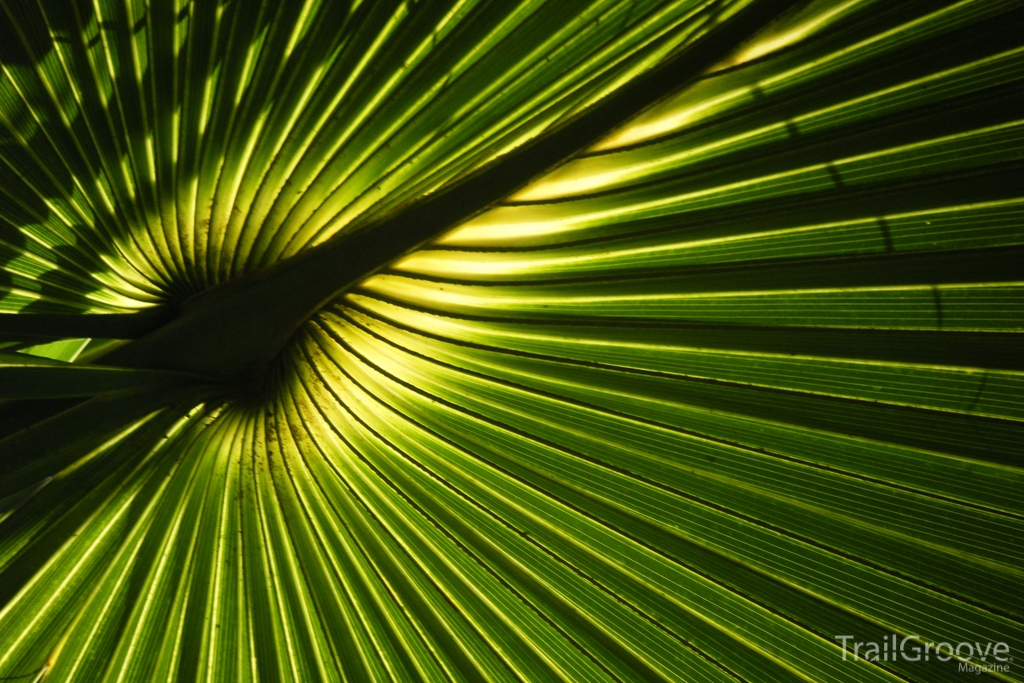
409,341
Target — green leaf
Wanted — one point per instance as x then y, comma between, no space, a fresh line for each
741,377
66,350
23,377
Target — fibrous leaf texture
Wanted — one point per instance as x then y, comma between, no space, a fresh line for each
745,376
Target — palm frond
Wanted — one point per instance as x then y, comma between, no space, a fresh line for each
745,376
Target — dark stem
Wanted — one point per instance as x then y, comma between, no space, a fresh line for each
238,328
44,327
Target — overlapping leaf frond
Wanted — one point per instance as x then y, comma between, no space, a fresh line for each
154,149
747,376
